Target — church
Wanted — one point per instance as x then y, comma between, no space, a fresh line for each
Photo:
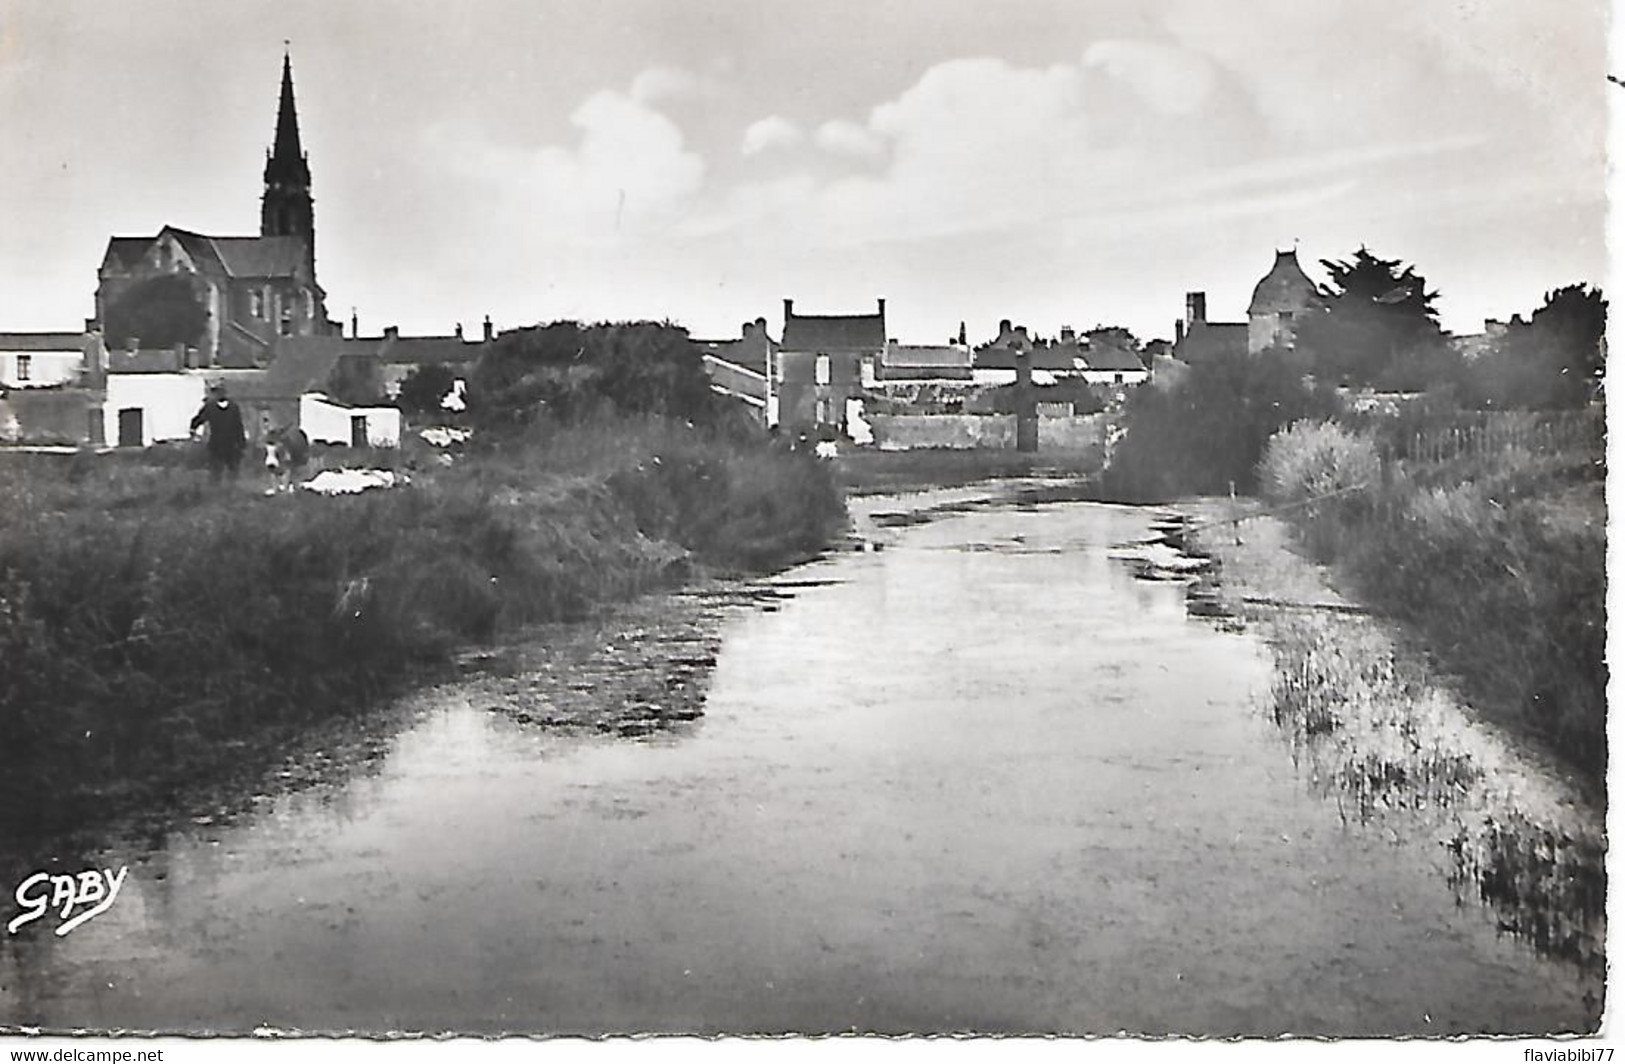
224,300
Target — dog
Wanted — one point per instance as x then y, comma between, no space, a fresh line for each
286,452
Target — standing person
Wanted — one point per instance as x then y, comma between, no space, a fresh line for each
227,440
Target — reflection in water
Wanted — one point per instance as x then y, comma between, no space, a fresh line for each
983,779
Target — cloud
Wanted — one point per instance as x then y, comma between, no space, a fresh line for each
769,133
630,171
661,82
1173,80
842,137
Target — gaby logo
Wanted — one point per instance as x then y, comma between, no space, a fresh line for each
78,897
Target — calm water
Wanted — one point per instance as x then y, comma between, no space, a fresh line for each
984,779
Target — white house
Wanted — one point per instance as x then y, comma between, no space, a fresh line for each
39,360
325,421
146,408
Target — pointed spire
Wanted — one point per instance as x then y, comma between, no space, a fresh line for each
287,162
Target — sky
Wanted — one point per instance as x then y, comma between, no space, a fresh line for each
1053,162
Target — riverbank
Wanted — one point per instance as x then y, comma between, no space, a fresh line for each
159,631
1374,726
868,471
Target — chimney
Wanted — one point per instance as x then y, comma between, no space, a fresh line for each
392,332
1067,335
880,304
1004,327
789,309
458,331
1179,331
1195,307
490,334
355,325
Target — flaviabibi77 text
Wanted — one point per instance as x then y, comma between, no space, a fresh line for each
72,898
1581,1054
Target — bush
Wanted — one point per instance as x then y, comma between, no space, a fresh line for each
151,626
1503,588
1208,430
1311,459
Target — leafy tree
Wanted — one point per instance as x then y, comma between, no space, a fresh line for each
424,388
1379,315
1555,359
160,311
570,371
1209,428
1566,336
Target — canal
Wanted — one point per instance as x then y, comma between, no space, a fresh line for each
984,779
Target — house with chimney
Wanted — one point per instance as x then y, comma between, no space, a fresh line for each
1282,300
823,362
744,368
1197,340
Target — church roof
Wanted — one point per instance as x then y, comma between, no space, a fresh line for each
1285,287
259,256
234,256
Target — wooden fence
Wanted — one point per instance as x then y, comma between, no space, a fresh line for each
1488,435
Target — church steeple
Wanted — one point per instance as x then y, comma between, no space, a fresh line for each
286,208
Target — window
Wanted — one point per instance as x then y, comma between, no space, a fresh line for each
256,303
285,326
821,371
823,411
25,367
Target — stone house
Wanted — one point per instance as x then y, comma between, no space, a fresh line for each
822,363
1281,300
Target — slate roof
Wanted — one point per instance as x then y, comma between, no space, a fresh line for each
834,332
901,355
1051,357
259,256
426,350
1285,287
1109,358
42,341
748,353
301,364
235,256
1212,339
126,252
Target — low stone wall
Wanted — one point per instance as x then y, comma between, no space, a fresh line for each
905,432
54,415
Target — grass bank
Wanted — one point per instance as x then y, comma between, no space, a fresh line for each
1496,560
1371,726
155,628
